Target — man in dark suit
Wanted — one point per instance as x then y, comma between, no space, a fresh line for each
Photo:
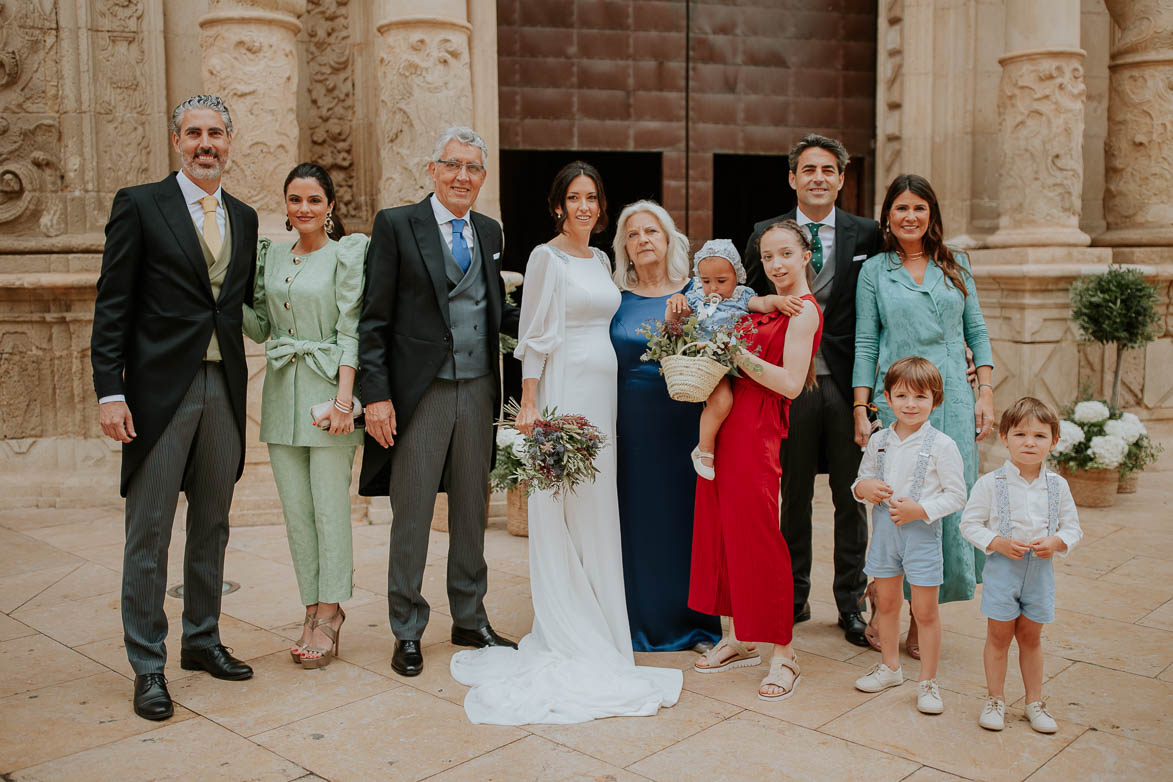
821,422
169,371
428,351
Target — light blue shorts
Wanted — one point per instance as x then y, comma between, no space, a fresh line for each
1018,587
912,550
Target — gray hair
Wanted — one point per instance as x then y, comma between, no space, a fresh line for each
625,275
719,248
200,102
464,136
834,146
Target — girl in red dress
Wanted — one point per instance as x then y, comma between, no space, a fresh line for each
740,563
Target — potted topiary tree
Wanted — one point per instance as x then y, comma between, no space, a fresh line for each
1115,307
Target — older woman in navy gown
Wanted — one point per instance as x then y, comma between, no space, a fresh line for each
654,436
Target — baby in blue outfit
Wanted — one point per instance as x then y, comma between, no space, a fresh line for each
720,299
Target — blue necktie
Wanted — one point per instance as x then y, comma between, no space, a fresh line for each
459,246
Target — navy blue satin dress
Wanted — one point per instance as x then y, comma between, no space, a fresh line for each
654,436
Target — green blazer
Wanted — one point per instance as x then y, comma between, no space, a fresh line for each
305,310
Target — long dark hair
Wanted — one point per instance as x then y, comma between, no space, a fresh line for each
805,243
557,198
933,241
322,176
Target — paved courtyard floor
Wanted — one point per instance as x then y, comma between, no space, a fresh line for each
65,685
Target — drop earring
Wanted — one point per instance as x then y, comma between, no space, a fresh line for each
288,225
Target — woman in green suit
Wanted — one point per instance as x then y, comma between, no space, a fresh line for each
305,309
917,298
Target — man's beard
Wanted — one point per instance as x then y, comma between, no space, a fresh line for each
197,171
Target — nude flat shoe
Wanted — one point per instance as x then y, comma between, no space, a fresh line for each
702,469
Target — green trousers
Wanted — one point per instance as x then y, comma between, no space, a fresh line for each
314,484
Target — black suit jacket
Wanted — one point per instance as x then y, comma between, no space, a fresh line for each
854,236
154,313
404,334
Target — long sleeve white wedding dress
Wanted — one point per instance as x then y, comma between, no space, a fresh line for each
576,664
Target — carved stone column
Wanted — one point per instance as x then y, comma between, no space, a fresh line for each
424,85
1138,194
1041,110
250,60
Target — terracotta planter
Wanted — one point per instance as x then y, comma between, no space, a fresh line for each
517,513
1128,483
1092,488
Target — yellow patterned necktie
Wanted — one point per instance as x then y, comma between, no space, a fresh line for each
211,227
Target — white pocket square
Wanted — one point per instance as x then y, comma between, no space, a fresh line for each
855,258
496,256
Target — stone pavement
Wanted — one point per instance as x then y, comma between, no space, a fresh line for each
65,684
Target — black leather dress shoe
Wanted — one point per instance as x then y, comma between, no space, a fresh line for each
407,660
481,637
853,628
802,613
151,699
217,661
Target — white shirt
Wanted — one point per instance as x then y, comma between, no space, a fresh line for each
1028,510
192,193
943,491
444,218
826,231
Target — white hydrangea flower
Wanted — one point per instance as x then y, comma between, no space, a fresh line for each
1108,450
519,447
1126,430
1070,435
1090,412
1134,421
507,436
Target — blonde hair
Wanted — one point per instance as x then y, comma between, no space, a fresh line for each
679,267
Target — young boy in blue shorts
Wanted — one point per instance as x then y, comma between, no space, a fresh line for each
1020,515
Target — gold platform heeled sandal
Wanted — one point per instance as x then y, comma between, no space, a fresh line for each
324,656
295,650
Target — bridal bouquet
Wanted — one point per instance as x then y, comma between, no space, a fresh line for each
559,455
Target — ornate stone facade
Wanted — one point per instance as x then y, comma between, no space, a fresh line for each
994,102
1040,104
425,84
1138,198
250,60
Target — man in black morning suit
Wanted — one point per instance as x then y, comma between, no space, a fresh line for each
822,427
433,309
170,374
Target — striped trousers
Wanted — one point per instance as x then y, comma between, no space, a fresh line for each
197,453
448,440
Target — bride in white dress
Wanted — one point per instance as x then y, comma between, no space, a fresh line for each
577,663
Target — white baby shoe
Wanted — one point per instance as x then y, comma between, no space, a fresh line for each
879,678
993,714
702,469
928,697
1040,719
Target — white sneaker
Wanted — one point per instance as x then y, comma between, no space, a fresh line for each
880,678
928,698
1040,719
993,714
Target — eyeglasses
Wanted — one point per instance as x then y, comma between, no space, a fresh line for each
454,166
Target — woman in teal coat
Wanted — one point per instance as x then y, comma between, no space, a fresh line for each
917,298
305,309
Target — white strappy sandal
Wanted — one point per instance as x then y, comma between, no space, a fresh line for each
774,678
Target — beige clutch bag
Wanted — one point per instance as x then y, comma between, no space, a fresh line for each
320,409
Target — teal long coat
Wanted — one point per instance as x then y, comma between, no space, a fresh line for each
306,312
895,318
